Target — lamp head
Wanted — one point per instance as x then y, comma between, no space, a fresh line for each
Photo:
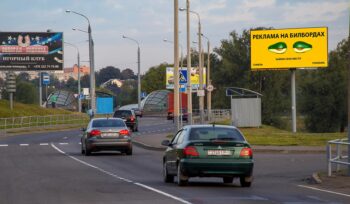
182,9
123,36
68,11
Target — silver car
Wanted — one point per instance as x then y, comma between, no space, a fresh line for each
106,134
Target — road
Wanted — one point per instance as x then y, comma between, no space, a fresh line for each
48,168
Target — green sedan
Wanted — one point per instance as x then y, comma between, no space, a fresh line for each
208,151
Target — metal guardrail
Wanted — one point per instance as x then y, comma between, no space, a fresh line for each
41,121
339,158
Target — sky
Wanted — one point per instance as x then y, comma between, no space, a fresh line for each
151,21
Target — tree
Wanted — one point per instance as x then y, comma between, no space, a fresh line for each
72,85
128,74
106,74
23,76
154,79
26,93
324,90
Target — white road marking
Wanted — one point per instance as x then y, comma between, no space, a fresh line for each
65,138
44,144
322,190
4,145
63,143
80,143
121,178
163,193
23,144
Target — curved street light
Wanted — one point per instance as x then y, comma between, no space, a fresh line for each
138,70
92,61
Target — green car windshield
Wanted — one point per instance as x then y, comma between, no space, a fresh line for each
215,133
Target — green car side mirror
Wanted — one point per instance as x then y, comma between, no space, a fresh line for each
166,143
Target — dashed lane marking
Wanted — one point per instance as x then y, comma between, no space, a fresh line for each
4,145
121,178
63,143
23,145
44,144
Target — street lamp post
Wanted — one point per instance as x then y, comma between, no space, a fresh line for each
181,62
208,79
78,63
92,62
138,71
200,91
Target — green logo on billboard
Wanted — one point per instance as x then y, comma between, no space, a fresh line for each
301,47
278,48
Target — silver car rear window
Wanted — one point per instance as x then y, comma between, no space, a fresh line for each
107,123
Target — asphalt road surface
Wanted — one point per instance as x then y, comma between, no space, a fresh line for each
48,168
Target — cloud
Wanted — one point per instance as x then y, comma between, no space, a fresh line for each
114,4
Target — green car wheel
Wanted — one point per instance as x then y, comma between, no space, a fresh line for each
181,179
166,177
245,181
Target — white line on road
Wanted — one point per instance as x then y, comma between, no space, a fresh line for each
80,143
63,143
327,191
121,178
44,144
23,144
4,145
65,138
163,193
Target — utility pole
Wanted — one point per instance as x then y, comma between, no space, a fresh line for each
201,97
40,90
138,78
176,64
349,96
189,86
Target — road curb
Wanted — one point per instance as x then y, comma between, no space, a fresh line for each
148,147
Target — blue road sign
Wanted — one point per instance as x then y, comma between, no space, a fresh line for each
45,78
183,76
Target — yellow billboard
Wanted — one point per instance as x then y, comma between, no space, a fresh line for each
289,48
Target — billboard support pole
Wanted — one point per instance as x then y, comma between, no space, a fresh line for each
294,111
40,90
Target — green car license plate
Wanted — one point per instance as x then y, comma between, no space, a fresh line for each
219,152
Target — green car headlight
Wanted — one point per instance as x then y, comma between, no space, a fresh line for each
301,47
278,48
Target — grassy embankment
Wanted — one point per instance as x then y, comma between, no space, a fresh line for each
268,135
20,109
61,117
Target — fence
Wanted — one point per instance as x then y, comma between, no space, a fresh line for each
339,158
215,116
42,121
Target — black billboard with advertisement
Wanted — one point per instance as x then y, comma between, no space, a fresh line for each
26,51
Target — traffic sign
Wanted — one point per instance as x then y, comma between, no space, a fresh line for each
210,88
45,78
183,76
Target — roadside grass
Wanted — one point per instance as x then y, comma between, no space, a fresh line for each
20,109
268,135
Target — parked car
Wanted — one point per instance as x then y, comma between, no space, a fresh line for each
106,134
208,151
129,117
138,112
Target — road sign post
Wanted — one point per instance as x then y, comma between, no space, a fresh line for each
11,86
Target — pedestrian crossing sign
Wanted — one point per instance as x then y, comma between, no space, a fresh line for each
183,76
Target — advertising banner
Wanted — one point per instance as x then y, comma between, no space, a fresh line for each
289,48
183,77
26,51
